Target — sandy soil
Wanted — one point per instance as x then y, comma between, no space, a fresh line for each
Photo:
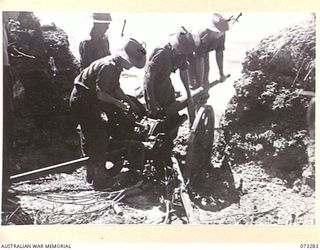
66,198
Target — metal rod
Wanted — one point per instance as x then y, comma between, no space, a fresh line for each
62,167
65,166
123,27
182,101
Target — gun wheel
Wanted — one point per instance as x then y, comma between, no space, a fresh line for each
200,144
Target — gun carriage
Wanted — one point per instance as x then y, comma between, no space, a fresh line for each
139,140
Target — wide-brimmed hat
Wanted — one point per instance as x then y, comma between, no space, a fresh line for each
101,18
134,52
218,23
182,41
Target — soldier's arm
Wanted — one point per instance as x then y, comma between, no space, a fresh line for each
191,72
105,97
206,69
84,54
191,107
149,90
119,94
185,81
219,59
105,82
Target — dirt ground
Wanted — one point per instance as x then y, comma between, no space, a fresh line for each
261,199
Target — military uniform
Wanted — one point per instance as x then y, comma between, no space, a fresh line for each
102,75
91,50
162,62
207,44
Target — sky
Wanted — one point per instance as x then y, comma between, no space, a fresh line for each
154,28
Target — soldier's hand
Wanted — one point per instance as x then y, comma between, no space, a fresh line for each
123,105
203,97
134,108
222,78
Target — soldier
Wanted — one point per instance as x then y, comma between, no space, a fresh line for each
159,92
165,59
211,38
97,89
94,48
98,45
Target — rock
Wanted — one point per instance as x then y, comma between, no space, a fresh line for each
306,191
262,185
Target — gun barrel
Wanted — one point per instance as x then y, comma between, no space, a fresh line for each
182,101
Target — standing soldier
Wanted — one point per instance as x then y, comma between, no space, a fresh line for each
96,90
159,92
98,45
93,49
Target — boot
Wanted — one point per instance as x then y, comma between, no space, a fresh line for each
90,174
100,179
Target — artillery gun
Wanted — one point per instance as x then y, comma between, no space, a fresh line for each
153,133
138,139
152,137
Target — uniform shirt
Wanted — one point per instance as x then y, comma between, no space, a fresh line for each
91,50
208,43
101,75
162,62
